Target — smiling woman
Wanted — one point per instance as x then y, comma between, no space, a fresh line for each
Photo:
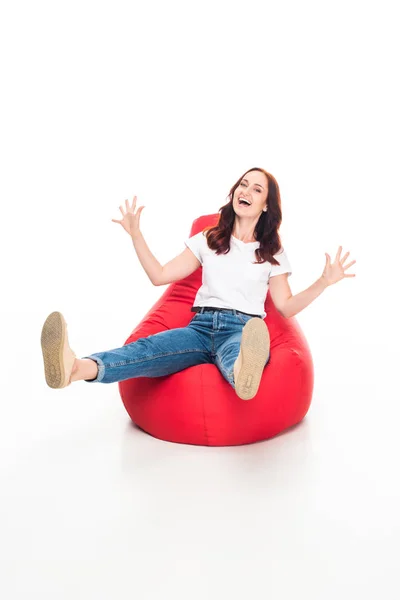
241,255
252,214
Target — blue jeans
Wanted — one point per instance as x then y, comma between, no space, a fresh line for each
211,337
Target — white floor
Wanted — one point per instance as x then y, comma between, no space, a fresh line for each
93,508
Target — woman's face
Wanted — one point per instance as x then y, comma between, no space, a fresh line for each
253,187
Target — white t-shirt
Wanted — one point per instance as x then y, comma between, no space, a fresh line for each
231,280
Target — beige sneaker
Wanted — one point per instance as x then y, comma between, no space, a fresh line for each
253,354
57,355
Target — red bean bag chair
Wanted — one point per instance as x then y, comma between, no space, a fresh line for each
197,405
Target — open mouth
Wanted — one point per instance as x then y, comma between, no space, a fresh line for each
243,202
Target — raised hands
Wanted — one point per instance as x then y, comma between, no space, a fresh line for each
130,219
336,271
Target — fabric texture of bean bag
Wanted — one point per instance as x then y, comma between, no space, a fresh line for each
197,405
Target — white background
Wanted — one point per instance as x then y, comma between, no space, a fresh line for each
172,102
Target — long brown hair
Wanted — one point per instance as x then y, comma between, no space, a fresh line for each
266,229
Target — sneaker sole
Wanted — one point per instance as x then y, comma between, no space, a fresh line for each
54,341
254,351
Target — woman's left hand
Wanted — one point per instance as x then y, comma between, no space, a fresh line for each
336,271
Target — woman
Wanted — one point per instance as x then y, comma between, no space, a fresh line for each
241,258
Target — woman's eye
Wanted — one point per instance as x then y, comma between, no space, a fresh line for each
259,191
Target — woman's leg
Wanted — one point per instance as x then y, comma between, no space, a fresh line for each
84,368
242,351
160,354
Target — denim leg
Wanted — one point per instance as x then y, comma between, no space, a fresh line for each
227,353
156,355
228,344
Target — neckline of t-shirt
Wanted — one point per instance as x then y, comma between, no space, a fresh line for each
245,243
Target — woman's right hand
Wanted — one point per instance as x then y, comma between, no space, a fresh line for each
130,219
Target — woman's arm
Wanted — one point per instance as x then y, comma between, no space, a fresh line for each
292,305
148,261
176,269
289,305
